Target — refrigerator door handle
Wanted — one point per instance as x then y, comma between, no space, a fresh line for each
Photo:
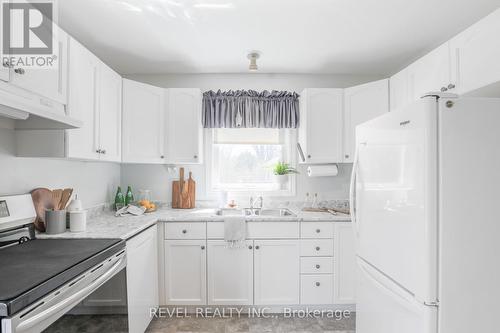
352,193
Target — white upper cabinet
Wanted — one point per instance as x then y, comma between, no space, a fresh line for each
48,83
82,102
110,114
431,73
362,103
184,129
320,133
475,54
143,123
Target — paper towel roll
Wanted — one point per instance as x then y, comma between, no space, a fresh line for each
323,170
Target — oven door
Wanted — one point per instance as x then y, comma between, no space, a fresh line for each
41,314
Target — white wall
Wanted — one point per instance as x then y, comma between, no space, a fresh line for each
94,182
158,178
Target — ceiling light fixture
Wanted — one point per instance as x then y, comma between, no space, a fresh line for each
253,56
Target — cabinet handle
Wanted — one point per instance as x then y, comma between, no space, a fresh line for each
318,231
250,247
317,266
203,247
443,89
162,157
346,156
308,156
103,151
451,86
19,71
317,248
184,231
257,247
318,284
195,156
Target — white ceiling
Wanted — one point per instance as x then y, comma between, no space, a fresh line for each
294,36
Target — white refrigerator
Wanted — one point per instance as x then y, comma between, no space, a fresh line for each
425,204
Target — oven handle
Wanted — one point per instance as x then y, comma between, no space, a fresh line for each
72,299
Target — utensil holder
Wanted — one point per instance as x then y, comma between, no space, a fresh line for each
55,221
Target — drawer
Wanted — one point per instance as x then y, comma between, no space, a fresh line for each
316,247
316,289
185,230
259,230
316,265
316,230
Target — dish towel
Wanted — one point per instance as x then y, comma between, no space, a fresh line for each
235,231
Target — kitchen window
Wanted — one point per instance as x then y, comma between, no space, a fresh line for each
242,159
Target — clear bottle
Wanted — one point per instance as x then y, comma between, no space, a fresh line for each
119,199
129,197
315,201
307,201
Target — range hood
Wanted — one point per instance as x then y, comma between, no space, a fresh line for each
28,115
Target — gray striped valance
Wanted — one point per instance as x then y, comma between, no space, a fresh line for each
250,109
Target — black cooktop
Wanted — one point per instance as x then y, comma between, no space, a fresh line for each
30,270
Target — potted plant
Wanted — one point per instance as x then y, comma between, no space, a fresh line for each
282,170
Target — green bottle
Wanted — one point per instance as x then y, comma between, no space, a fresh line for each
119,199
129,197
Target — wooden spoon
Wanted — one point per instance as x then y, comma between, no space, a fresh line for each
57,196
66,195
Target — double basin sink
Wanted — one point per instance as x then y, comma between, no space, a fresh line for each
277,212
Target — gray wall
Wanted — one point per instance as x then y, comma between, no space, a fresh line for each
158,178
94,182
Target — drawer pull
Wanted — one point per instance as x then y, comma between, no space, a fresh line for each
203,247
318,231
318,248
250,247
257,247
184,231
318,284
318,266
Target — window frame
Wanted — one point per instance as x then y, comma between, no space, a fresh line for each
291,153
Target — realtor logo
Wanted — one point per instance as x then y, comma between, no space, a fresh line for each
27,28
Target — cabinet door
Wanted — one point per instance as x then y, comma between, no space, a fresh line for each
49,83
276,272
230,274
399,90
431,73
475,54
362,103
143,123
4,67
184,134
110,114
344,264
142,279
185,272
321,118
82,103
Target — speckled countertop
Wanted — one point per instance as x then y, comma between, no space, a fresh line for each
107,225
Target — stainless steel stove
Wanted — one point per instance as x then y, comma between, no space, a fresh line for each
42,279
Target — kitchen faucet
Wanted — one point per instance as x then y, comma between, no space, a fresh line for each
253,203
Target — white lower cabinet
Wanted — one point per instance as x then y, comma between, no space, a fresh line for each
276,272
142,278
185,272
316,289
230,273
345,264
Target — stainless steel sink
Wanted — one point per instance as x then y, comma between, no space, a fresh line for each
277,212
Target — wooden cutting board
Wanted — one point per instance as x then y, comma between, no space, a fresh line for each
183,191
42,200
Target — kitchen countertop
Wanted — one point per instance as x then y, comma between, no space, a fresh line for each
106,225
